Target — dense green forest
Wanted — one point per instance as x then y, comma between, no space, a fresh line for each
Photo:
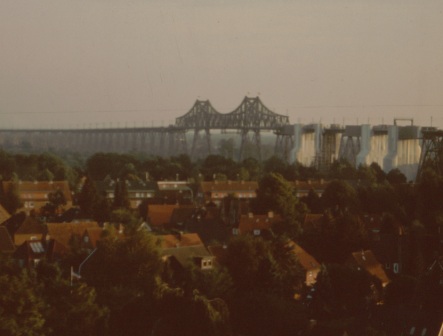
127,289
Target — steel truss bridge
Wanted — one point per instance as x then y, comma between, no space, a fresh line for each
249,120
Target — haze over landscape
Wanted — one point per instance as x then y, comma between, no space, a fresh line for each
81,63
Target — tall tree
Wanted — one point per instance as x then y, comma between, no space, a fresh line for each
88,198
276,194
21,308
121,197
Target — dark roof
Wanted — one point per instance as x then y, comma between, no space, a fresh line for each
32,249
186,255
228,186
109,185
6,244
183,214
31,226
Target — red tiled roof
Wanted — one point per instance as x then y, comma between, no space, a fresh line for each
367,261
39,190
94,234
184,239
250,222
63,232
160,214
308,262
4,215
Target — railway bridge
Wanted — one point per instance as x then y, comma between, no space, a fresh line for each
249,120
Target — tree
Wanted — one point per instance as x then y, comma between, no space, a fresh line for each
343,296
124,268
217,164
68,304
395,176
21,308
180,313
277,195
253,167
11,199
88,198
340,197
263,265
121,198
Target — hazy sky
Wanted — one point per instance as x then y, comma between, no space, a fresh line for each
70,63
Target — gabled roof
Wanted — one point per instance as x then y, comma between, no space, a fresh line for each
94,234
4,215
367,261
182,214
228,186
182,240
31,249
160,214
307,262
109,185
63,232
251,222
39,190
187,254
31,226
173,185
6,244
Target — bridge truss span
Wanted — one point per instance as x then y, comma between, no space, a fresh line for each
251,116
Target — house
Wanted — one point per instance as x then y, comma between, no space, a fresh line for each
182,215
366,260
216,191
7,246
389,240
30,229
302,188
160,214
186,256
311,266
69,234
138,191
180,239
255,224
34,195
32,251
175,192
90,238
4,215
